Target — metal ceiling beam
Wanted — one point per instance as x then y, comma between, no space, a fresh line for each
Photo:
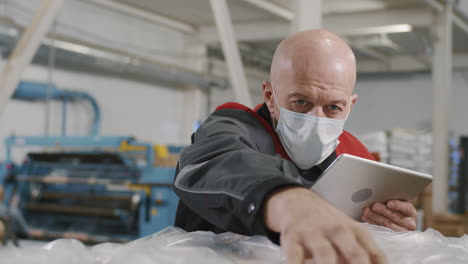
231,52
287,14
407,63
369,51
143,14
341,24
356,6
350,22
273,8
248,31
382,40
436,5
457,20
27,46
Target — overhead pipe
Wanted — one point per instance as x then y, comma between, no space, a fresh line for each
32,91
101,60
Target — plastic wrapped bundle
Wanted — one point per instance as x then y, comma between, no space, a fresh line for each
429,247
174,246
169,246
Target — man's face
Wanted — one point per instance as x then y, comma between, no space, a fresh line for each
320,95
313,73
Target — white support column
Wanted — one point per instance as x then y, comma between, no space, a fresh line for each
231,51
441,81
27,46
193,103
308,15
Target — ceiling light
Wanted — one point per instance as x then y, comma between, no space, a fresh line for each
400,28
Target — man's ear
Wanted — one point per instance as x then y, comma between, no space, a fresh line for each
354,98
268,96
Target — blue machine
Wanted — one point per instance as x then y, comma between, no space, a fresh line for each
94,188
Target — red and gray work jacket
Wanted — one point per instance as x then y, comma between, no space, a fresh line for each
234,163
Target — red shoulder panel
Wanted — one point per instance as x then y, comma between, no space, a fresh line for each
278,146
258,107
351,145
233,105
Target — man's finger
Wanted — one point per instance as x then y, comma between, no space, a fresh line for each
375,218
393,226
365,239
395,216
321,249
292,249
366,219
382,220
381,209
348,246
404,207
294,254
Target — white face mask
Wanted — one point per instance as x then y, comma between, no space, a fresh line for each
307,139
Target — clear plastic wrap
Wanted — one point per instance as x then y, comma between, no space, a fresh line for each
174,246
429,247
171,245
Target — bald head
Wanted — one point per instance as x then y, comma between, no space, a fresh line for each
313,52
312,72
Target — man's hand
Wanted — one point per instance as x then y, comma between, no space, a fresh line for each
395,214
312,228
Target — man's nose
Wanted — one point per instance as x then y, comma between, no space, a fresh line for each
317,111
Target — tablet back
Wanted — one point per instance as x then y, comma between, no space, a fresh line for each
352,183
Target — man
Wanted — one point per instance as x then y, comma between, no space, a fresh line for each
249,171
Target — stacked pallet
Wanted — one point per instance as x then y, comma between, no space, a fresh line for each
400,147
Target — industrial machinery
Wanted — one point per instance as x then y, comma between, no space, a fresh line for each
93,188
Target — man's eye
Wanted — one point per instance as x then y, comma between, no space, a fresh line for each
301,102
333,107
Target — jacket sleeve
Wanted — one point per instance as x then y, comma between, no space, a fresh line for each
224,178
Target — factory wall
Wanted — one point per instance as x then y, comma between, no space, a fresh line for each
404,101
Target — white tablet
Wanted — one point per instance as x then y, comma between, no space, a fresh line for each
351,183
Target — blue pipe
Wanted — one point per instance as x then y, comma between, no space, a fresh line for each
42,91
64,117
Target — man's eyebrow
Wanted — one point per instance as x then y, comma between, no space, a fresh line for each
303,96
296,94
339,101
